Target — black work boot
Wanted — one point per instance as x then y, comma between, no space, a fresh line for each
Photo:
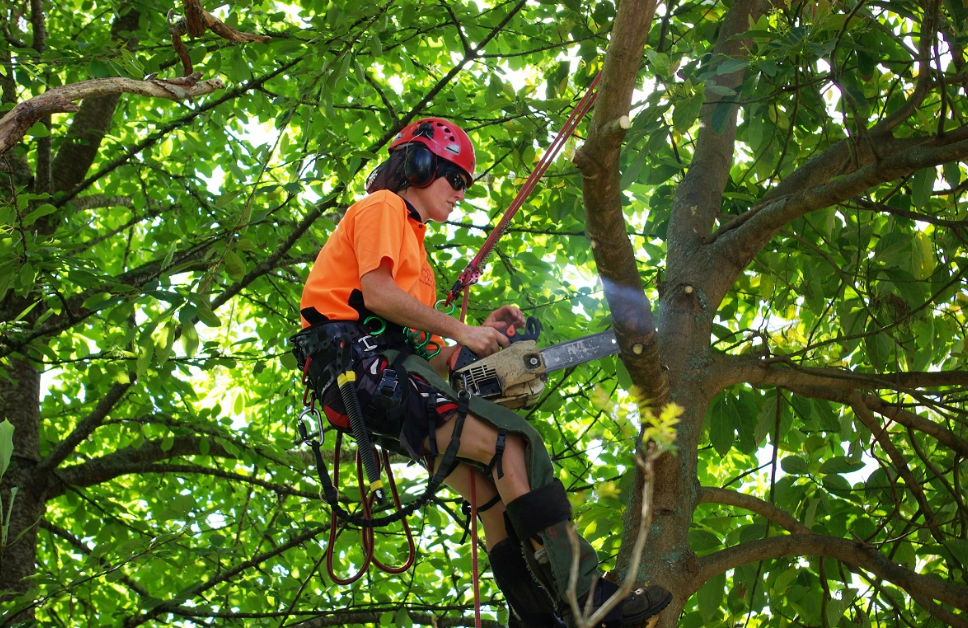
545,514
637,607
529,604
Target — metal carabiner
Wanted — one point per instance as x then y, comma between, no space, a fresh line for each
301,426
418,339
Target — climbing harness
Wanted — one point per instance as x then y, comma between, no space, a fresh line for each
474,270
347,342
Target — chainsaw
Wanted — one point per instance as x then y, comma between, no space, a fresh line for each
515,377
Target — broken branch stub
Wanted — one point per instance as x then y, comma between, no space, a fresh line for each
195,22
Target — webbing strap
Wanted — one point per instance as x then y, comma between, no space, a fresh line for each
449,461
475,572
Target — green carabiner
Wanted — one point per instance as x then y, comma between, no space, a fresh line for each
418,339
382,324
431,354
450,308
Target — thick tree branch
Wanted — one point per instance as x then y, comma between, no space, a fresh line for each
224,576
81,547
363,617
89,474
121,461
728,370
598,161
838,386
90,124
852,553
194,24
14,125
747,235
710,495
698,198
900,464
189,259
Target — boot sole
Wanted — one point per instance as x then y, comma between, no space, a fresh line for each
651,614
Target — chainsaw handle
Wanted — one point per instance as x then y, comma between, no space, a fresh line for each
532,329
464,356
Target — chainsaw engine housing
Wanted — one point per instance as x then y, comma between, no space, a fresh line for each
513,377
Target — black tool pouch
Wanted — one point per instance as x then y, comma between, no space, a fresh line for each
318,346
389,401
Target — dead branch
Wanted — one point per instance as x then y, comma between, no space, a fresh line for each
195,22
14,125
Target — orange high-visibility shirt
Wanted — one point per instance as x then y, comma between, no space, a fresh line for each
378,227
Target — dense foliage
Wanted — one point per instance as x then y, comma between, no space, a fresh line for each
793,189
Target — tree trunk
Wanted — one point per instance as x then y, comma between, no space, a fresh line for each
19,403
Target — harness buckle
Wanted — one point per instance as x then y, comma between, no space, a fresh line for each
369,343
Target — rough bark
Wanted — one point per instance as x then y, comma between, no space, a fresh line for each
19,395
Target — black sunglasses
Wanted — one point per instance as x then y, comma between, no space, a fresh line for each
456,181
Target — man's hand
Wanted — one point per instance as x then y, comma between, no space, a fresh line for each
491,336
504,317
483,340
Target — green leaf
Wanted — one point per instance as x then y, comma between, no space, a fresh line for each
723,420
794,465
6,445
234,265
732,65
189,338
711,597
100,69
721,117
38,130
840,464
957,547
402,619
44,210
703,541
720,90
163,350
207,316
146,351
922,185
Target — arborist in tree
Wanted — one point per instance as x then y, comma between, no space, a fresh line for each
370,287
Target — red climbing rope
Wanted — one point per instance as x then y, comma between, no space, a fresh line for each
472,273
477,576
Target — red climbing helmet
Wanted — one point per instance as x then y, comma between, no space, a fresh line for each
444,139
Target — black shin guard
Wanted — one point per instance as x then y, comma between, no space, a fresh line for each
529,603
545,514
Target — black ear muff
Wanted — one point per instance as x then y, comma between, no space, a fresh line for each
420,165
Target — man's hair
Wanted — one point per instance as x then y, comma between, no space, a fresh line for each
390,175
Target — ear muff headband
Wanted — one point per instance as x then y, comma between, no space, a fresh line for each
419,165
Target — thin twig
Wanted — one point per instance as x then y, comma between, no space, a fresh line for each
645,521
